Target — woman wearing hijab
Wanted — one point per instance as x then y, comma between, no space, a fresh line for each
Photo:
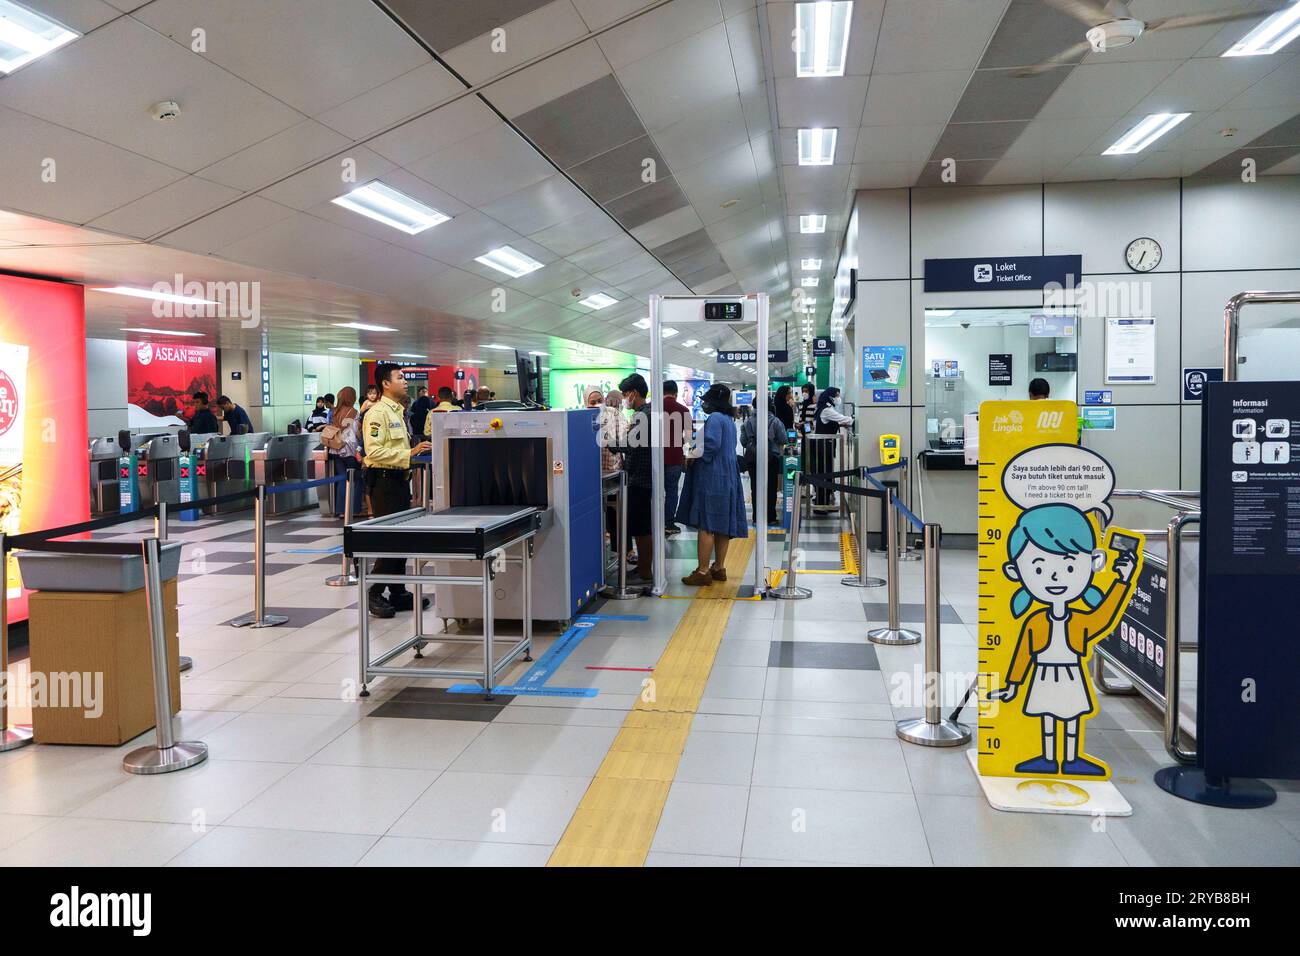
827,420
348,423
713,501
780,421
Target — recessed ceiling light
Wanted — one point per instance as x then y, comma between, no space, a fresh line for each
817,146
165,332
472,362
814,223
157,296
510,261
641,324
497,347
598,300
690,343
667,333
1145,133
809,282
940,313
362,327
26,35
344,348
822,37
1271,35
810,265
708,351
408,355
385,204
539,353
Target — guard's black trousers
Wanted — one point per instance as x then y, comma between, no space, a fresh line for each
388,495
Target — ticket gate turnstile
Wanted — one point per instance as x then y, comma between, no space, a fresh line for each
157,471
239,469
105,485
285,459
218,472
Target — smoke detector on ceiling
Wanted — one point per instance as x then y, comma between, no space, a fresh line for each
166,111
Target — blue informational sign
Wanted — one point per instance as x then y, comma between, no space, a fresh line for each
743,399
1098,417
1248,724
879,395
1102,396
823,348
127,489
1052,326
1194,380
1001,273
187,478
884,365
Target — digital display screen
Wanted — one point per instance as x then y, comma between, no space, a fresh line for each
723,312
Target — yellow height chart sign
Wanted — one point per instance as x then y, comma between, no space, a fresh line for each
1054,580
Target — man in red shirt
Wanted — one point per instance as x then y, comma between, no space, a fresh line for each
677,431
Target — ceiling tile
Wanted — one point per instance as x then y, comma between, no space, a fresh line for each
276,156
658,29
484,167
228,225
997,95
1205,84
601,13
665,88
328,179
313,62
549,79
301,244
166,208
609,252
713,127
963,141
443,127
527,37
95,86
899,99
821,101
647,203
92,177
394,101
584,123
896,144
1032,31
578,233
1105,90
952,33
534,208
446,24
620,170
864,37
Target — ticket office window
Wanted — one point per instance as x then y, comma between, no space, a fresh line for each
970,354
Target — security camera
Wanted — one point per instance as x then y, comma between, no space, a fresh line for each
965,325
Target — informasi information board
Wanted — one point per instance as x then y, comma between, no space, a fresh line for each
1052,584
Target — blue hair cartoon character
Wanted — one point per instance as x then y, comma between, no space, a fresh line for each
1053,553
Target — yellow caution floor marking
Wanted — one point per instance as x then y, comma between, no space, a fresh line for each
616,820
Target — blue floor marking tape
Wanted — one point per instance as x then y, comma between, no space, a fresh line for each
534,681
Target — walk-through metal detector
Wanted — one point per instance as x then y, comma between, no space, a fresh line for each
739,312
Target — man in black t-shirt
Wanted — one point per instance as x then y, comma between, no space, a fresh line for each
203,422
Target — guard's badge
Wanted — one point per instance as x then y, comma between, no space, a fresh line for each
374,430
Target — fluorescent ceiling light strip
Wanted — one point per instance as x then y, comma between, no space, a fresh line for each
641,324
809,281
497,347
32,34
385,204
823,33
472,362
812,223
362,327
344,348
598,300
690,343
165,332
1271,35
667,333
510,261
157,296
408,355
817,146
1145,133
810,265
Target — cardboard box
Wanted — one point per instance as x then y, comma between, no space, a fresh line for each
76,635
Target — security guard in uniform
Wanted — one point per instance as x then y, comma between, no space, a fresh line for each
387,459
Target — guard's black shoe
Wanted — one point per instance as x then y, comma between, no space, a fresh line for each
405,601
379,607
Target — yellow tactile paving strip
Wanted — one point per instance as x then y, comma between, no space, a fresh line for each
848,562
616,820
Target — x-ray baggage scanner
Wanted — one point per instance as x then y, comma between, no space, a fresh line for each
746,315
548,460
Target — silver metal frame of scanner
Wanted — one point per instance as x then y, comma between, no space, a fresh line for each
105,486
551,568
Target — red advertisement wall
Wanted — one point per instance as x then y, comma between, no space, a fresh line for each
43,476
162,377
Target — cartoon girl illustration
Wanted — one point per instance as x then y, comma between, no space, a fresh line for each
1053,554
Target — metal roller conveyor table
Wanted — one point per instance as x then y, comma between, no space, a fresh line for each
481,533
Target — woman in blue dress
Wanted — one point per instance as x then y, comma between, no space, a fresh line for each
712,500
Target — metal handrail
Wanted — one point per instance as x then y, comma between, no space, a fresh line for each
1232,322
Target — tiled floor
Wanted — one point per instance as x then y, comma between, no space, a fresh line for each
791,759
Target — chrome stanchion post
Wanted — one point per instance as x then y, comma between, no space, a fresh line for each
259,617
906,553
933,730
862,579
894,633
160,532
168,754
1173,629
346,578
11,738
788,590
622,592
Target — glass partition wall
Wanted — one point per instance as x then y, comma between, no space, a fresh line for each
974,355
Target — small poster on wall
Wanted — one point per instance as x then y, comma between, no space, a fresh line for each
1130,351
1000,368
884,365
